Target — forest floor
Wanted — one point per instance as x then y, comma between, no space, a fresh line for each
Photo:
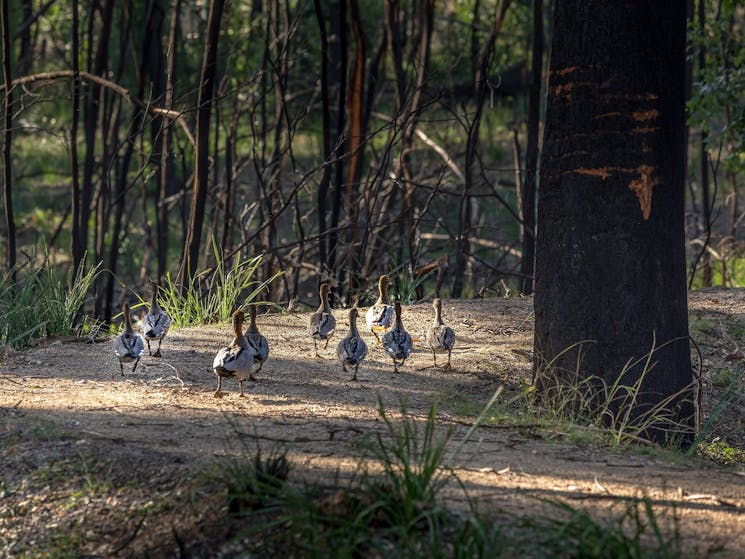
111,465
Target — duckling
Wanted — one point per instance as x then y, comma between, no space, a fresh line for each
322,323
128,346
259,344
440,337
236,360
352,349
397,341
156,323
379,317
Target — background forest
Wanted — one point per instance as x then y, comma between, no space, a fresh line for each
335,139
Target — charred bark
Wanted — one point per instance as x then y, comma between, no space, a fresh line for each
530,184
610,252
201,170
10,226
78,241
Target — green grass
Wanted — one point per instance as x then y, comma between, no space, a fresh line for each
393,506
44,300
614,407
721,451
213,295
633,533
735,274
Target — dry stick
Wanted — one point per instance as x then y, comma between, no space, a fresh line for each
132,536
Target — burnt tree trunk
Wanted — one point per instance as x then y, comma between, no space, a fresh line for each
166,157
10,226
95,97
324,237
610,251
531,152
201,170
26,56
340,62
78,241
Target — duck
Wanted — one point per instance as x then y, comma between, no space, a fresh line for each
235,360
397,341
321,324
258,343
440,337
379,317
156,323
128,346
352,349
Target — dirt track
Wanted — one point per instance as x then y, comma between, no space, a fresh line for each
65,408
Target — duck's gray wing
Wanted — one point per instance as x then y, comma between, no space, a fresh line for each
259,346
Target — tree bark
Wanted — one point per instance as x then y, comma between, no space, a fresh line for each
10,226
201,170
26,56
323,187
339,26
530,184
610,252
94,100
356,146
78,241
166,158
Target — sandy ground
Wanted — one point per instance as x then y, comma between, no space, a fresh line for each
66,414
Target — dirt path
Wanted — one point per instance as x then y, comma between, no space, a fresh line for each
65,403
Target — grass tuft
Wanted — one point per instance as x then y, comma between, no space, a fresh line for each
253,482
635,533
213,295
44,301
616,408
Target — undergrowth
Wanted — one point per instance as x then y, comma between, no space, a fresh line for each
397,503
41,300
618,408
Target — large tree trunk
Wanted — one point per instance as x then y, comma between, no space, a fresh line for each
610,252
201,171
10,226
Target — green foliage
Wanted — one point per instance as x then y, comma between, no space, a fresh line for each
44,301
734,276
393,507
413,470
719,450
212,295
717,104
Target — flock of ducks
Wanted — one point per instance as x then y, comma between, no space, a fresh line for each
248,351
